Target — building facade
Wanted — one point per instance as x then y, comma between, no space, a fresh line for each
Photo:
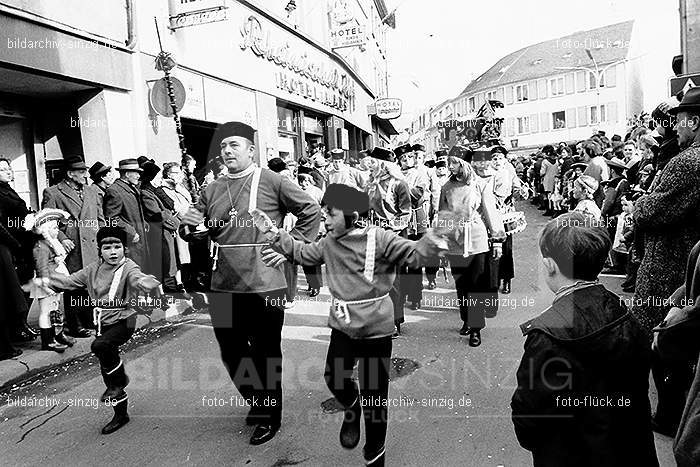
560,90
78,78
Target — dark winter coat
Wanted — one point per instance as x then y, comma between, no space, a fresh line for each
585,344
85,220
669,220
160,237
123,207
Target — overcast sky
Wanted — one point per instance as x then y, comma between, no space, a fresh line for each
438,46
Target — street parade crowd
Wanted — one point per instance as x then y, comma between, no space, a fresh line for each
370,228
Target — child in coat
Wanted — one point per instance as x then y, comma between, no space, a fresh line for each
113,284
361,317
49,258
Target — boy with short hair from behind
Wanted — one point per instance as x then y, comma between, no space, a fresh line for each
582,396
361,266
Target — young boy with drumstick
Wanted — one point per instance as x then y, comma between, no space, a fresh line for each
362,316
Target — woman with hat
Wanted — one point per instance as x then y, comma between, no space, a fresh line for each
102,177
585,188
468,212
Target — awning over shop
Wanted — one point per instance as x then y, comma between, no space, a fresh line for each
385,125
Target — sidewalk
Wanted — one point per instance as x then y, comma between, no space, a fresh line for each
34,360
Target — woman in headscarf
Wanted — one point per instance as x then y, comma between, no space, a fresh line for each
468,213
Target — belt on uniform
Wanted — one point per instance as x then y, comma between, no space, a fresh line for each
215,247
340,307
97,316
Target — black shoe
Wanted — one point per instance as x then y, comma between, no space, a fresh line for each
506,287
474,338
80,333
432,285
8,355
65,340
375,459
313,292
415,306
264,433
465,330
117,422
350,429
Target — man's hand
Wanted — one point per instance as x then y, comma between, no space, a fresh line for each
136,239
68,245
271,258
193,217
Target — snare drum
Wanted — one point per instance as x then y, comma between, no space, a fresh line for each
514,222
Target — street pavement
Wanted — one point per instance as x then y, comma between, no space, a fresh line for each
452,401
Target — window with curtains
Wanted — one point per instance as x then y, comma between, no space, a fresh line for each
558,120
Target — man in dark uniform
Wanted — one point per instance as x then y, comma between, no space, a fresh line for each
250,333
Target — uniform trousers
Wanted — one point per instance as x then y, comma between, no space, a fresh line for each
412,279
373,358
314,276
506,270
248,328
106,346
475,292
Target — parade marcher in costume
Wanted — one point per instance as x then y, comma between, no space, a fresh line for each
390,208
442,174
123,207
247,299
82,202
113,284
49,258
341,172
469,200
419,186
505,184
361,316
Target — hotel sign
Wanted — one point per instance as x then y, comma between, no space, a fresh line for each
346,31
184,13
388,109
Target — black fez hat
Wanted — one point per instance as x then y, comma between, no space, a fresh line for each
75,163
498,149
382,154
142,160
98,169
418,147
229,129
276,164
346,198
337,154
441,162
461,152
111,232
429,164
403,149
441,153
150,170
304,170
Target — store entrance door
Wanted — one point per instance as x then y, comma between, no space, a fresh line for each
14,145
198,141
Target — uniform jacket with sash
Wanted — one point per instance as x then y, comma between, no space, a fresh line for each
123,206
585,344
240,269
390,202
474,204
346,176
85,220
97,278
361,268
419,188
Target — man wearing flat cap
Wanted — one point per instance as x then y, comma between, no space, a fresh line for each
247,296
123,207
390,208
341,172
82,203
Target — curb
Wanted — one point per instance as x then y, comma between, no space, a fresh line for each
34,360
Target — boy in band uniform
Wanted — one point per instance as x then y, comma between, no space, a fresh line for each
361,316
113,283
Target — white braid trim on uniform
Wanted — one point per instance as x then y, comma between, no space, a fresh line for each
370,251
115,368
376,458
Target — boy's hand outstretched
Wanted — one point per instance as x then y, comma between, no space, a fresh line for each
264,224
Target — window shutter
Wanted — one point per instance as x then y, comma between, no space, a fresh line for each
569,83
542,89
533,90
479,100
612,112
499,94
571,118
509,95
534,123
511,126
611,77
580,81
544,121
582,116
